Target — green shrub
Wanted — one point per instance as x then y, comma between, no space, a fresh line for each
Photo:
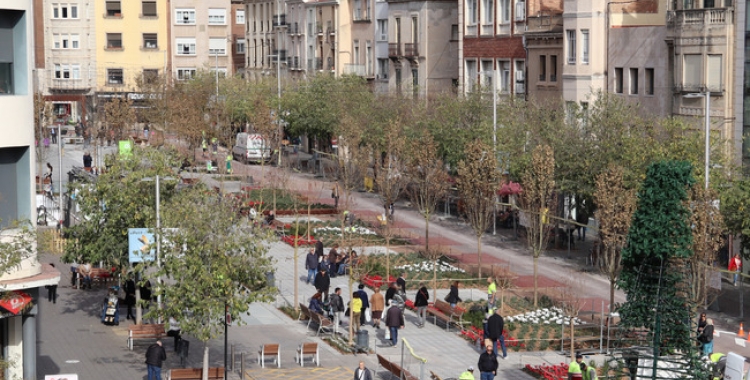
543,345
511,326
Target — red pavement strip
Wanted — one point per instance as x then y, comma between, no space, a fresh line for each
542,282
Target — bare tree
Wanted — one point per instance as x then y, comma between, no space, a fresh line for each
477,183
120,115
537,200
616,205
429,181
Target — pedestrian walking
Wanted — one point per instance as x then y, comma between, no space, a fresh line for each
468,374
51,290
495,326
337,308
175,331
735,265
323,282
87,160
394,319
574,369
377,303
229,163
356,311
362,373
311,264
452,297
401,282
130,296
491,295
155,356
319,248
335,195
53,133
706,337
365,304
589,372
333,259
421,302
487,364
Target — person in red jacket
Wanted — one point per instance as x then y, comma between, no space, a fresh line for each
735,265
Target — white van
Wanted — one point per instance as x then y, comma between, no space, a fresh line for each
251,147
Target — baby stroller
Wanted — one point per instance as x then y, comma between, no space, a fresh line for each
111,307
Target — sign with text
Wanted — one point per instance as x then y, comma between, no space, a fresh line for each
141,245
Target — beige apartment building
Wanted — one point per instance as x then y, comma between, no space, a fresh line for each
544,46
266,33
584,49
201,37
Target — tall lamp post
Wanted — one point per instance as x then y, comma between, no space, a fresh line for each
157,233
707,148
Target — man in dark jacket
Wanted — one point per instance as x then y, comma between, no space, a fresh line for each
487,364
319,248
155,356
323,282
394,320
311,264
401,282
365,303
420,302
495,325
337,308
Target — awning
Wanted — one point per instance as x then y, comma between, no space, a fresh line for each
15,301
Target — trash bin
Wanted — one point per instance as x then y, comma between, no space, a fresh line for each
363,339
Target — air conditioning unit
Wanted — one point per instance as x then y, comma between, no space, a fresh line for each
519,76
520,89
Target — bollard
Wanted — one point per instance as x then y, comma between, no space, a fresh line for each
242,364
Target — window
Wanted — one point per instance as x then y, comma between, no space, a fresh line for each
368,58
520,77
114,40
471,12
553,68
692,70
65,11
585,46
150,41
504,70
649,81
471,75
414,30
382,29
184,74
239,17
633,81
114,76
504,11
383,68
542,68
185,46
415,81
217,16
571,46
217,46
356,52
221,70
454,32
618,80
488,12
66,41
714,75
148,9
150,76
520,11
357,9
240,47
487,74
185,16
114,9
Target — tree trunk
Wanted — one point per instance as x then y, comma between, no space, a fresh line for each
204,375
296,268
572,339
479,254
611,299
434,278
536,289
427,232
388,254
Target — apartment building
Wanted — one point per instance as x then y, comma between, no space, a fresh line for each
201,32
65,57
640,71
742,86
298,45
131,42
266,31
239,44
544,46
382,61
422,46
584,31
21,287
362,44
491,52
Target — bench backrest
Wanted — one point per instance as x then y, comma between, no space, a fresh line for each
196,373
146,328
309,348
305,310
446,308
394,368
270,349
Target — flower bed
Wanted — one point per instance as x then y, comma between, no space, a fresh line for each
350,230
427,266
299,240
549,372
553,315
375,281
475,334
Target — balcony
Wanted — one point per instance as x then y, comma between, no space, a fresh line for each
411,49
358,70
319,28
394,49
294,29
294,63
544,23
700,17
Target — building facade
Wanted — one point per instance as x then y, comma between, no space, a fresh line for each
201,37
18,203
544,47
239,44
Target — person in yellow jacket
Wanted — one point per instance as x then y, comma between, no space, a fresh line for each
589,372
574,369
229,163
356,310
468,374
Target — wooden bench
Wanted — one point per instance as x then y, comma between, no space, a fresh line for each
395,369
152,332
195,373
72,140
322,321
308,349
269,351
442,310
98,275
304,311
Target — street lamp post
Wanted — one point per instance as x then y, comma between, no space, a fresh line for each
707,148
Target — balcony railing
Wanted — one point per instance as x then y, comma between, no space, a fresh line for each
358,70
411,49
294,28
394,49
711,16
